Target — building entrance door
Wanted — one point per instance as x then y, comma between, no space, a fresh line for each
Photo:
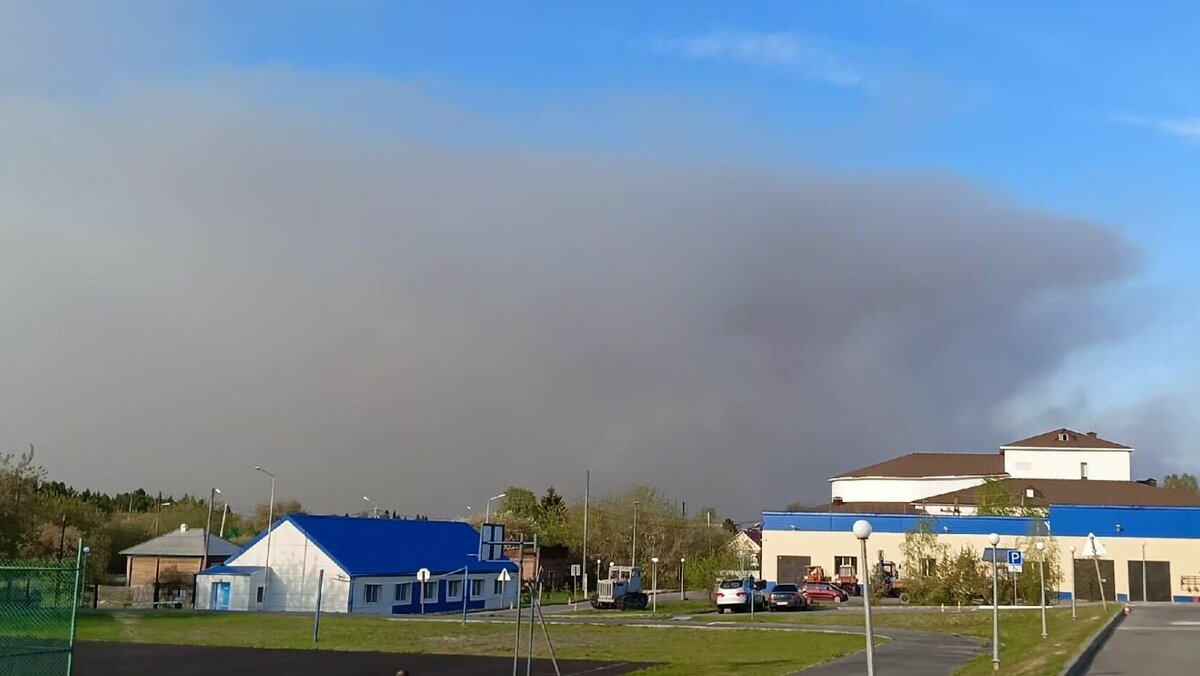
1087,587
792,568
220,596
1158,581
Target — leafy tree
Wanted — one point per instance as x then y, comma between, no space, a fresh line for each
19,479
923,556
729,525
522,503
994,499
1184,481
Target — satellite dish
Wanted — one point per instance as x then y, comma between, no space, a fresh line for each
503,576
423,575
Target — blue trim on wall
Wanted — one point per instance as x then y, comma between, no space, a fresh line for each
1064,595
1122,598
439,607
1135,522
1184,599
899,523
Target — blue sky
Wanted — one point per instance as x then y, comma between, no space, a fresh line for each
1086,111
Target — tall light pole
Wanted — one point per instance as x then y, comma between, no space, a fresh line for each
635,508
270,529
224,513
158,513
1144,599
374,507
1041,547
487,517
994,540
212,497
862,531
1073,586
682,586
587,499
654,560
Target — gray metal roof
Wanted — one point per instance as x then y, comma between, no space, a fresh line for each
183,543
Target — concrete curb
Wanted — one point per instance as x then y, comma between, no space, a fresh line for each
1079,664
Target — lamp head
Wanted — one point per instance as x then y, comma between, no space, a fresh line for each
862,529
1072,549
994,539
217,491
1040,546
653,559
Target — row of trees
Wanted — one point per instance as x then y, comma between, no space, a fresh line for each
663,530
45,519
934,573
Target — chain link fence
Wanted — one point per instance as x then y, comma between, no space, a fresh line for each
38,601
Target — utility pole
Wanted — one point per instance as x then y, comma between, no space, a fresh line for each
224,511
635,508
587,498
62,541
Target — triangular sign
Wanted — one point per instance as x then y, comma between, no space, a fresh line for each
1092,549
504,576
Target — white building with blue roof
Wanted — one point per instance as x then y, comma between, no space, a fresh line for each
370,566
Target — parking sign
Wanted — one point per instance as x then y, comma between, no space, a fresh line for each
1015,560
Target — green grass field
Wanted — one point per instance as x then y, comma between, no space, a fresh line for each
678,650
1022,649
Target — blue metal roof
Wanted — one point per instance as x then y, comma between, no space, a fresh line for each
1126,522
362,546
231,570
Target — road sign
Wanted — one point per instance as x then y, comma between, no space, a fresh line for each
423,575
575,570
1093,549
503,576
1015,560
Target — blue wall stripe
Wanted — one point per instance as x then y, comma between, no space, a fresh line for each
1064,520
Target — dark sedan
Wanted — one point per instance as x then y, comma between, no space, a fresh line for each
823,591
786,597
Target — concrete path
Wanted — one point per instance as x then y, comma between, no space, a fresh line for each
909,653
1155,639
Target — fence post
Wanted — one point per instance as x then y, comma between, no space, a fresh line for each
75,603
317,612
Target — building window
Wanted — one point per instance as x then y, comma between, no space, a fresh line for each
453,589
371,593
260,594
845,566
928,567
1083,470
430,591
497,587
402,592
476,588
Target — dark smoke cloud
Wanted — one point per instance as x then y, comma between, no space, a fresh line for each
195,281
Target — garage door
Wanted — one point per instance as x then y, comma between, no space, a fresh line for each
1158,580
792,568
1086,586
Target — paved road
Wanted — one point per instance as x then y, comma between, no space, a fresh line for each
137,659
1153,640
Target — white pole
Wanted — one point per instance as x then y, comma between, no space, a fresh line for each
994,539
224,513
655,597
635,508
1099,580
270,530
1041,547
1074,587
1145,599
862,531
587,495
682,586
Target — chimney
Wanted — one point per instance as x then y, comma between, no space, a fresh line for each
183,528
837,501
1092,435
1149,482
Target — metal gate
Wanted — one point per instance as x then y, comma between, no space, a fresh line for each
792,568
1158,580
38,600
1087,588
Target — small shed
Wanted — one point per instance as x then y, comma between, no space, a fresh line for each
176,555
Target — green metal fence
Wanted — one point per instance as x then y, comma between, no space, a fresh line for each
38,600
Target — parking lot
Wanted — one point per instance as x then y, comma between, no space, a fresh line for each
1153,640
141,659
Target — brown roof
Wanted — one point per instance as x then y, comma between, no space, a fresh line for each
1079,492
934,464
1054,439
866,508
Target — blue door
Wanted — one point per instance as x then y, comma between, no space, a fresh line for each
220,596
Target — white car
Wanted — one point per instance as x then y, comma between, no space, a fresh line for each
737,595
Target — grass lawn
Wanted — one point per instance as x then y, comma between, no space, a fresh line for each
1022,649
666,609
679,650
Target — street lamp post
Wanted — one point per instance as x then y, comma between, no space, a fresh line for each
635,510
597,570
270,530
1144,599
1073,586
158,513
994,540
486,518
682,586
374,507
1041,547
212,497
862,531
654,581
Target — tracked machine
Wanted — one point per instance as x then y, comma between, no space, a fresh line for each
622,590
